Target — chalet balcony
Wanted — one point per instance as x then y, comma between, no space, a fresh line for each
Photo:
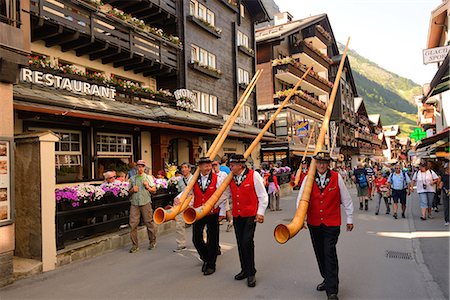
363,136
156,12
77,26
303,100
290,73
317,33
314,53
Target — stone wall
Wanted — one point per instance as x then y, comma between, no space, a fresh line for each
6,268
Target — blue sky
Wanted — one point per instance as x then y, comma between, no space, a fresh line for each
390,33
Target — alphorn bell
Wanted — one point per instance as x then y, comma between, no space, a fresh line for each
283,233
162,215
294,183
191,214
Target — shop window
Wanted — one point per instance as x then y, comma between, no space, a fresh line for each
268,157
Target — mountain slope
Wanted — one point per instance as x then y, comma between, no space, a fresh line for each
385,93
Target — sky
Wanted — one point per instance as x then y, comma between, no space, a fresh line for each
390,33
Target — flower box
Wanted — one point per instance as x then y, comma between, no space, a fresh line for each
206,70
246,51
205,25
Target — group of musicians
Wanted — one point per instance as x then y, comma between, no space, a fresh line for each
249,202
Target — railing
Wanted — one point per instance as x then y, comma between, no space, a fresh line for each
109,29
76,224
315,54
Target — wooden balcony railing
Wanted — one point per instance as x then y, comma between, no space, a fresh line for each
87,31
315,54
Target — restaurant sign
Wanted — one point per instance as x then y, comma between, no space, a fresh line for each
434,55
63,83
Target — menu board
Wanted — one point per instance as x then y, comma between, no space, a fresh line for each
5,182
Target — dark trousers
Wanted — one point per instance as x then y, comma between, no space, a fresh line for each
324,240
208,250
244,228
445,199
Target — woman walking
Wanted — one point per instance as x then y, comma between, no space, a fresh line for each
274,191
425,180
382,187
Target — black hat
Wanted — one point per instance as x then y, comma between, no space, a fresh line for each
322,155
204,159
237,158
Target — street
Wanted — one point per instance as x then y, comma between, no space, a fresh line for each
286,271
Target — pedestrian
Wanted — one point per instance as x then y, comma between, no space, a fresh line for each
343,172
132,170
250,201
207,183
361,181
445,187
141,186
109,177
223,165
431,165
180,225
121,176
304,172
226,214
382,188
324,220
399,183
273,191
425,181
371,175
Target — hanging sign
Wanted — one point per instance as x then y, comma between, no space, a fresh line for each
302,129
434,55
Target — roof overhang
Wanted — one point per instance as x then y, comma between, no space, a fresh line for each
437,25
434,146
257,10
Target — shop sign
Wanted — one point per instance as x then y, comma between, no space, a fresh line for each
63,83
185,98
239,120
434,55
5,181
302,129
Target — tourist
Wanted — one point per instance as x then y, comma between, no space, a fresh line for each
361,181
425,181
382,188
399,182
273,191
445,187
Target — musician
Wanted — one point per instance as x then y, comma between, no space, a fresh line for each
249,199
204,188
304,172
324,220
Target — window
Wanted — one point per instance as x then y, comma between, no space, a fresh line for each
243,76
242,11
213,105
246,113
200,11
242,39
10,12
203,57
109,144
197,103
206,103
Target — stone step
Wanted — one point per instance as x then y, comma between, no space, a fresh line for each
24,267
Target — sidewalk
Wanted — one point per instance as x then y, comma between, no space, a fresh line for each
435,248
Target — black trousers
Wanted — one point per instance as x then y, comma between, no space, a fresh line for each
244,228
324,240
208,250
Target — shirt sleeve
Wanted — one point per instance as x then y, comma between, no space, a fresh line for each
408,180
260,189
414,177
434,175
346,200
226,194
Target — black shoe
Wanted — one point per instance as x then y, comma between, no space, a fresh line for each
219,252
209,271
251,281
321,286
376,214
403,215
360,206
333,297
240,276
388,212
204,267
395,216
422,218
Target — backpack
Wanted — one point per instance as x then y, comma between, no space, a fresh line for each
362,180
405,184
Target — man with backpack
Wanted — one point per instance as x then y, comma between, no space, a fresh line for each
361,181
399,182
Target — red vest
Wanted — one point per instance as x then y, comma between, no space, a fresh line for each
245,201
325,207
201,197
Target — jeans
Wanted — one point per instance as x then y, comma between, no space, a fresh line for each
386,202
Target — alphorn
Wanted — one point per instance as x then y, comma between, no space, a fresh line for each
283,233
294,183
191,214
162,215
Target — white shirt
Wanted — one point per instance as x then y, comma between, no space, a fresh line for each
346,199
220,178
260,190
426,178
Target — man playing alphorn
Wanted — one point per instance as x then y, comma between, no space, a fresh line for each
205,186
324,220
249,199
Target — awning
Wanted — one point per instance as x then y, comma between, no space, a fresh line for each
434,146
441,80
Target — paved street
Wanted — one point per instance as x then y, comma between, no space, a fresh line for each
284,271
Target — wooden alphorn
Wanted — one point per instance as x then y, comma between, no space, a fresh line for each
283,233
162,215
